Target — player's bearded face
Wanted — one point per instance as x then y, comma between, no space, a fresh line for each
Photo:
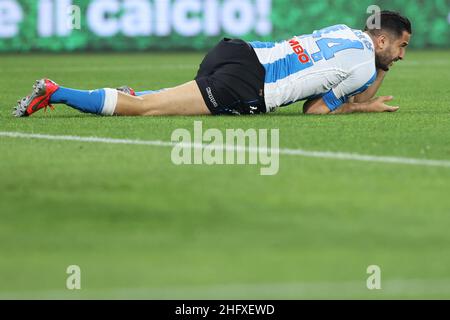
384,59
393,50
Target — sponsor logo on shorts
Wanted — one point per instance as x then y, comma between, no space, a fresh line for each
211,97
253,109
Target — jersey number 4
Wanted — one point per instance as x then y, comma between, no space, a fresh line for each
330,46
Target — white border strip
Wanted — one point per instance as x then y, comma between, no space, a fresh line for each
283,151
400,288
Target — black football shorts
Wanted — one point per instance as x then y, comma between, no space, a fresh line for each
231,79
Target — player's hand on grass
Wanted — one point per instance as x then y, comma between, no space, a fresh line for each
318,106
379,105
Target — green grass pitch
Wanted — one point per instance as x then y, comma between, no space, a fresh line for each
141,227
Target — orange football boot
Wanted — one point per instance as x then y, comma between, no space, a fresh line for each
37,100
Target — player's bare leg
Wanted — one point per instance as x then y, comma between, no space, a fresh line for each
183,100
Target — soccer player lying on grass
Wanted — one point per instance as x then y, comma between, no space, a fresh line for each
336,70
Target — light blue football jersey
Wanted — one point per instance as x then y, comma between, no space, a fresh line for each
334,63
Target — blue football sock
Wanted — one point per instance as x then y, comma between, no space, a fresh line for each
94,101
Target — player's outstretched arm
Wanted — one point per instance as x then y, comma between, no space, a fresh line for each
374,105
370,92
319,106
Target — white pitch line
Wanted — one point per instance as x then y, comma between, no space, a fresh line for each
283,151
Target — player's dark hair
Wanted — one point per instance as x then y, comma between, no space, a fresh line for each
391,21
